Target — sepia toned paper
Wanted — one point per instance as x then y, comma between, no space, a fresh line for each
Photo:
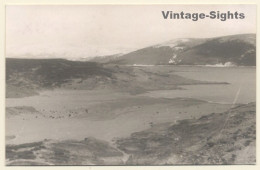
130,85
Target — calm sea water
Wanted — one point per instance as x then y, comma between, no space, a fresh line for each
241,87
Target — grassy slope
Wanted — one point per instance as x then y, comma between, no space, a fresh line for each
217,138
212,139
24,77
89,151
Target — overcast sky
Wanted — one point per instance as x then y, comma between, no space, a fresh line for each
85,31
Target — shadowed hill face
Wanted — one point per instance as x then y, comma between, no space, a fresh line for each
52,72
158,54
221,51
49,71
235,49
25,77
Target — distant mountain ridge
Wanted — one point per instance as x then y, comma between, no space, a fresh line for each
233,50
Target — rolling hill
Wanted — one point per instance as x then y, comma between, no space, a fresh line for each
233,50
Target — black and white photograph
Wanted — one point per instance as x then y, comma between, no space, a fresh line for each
130,85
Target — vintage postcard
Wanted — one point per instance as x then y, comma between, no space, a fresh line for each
130,85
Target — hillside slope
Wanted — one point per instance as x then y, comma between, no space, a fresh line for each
217,138
227,50
26,77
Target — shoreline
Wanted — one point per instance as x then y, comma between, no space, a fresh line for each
171,65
